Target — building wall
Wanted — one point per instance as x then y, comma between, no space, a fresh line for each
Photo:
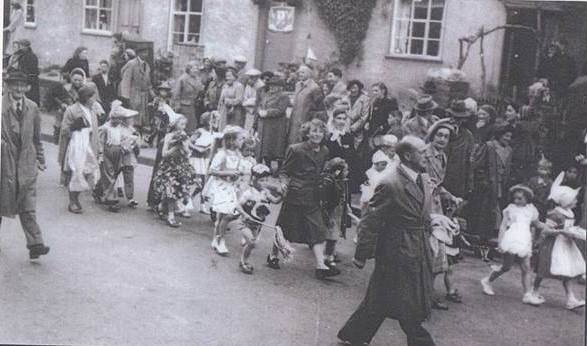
229,27
462,18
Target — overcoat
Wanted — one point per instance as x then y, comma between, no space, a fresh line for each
71,113
136,87
187,91
272,129
307,105
459,174
21,150
397,224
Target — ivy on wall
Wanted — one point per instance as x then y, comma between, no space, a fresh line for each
348,20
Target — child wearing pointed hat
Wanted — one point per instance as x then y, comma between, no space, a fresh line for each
558,256
117,150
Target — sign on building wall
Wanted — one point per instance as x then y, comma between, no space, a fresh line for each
281,18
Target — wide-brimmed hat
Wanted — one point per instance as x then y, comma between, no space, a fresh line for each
425,103
164,85
16,76
525,189
440,124
458,109
253,72
117,111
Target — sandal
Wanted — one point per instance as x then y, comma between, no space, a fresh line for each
454,297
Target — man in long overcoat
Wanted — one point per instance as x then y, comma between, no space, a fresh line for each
21,158
307,104
136,88
397,223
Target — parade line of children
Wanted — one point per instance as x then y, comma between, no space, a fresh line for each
238,192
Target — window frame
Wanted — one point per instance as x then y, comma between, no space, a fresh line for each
173,12
99,32
32,24
394,34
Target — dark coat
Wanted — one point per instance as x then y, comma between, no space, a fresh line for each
272,129
106,91
307,105
458,178
27,62
74,63
19,157
397,223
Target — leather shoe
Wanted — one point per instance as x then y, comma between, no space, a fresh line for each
322,274
439,305
37,250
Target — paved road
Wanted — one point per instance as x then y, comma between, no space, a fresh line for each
127,279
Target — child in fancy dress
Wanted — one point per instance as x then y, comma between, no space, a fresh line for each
379,169
248,150
118,148
254,207
334,202
201,145
175,178
558,255
515,240
223,184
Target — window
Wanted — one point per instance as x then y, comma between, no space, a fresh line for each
98,16
187,18
29,13
417,28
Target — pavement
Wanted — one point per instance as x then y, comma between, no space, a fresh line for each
128,279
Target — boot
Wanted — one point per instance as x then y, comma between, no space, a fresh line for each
37,250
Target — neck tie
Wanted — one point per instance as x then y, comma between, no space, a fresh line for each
420,182
19,109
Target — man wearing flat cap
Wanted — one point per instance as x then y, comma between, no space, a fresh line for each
21,159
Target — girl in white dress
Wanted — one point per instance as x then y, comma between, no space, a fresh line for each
222,189
515,239
558,256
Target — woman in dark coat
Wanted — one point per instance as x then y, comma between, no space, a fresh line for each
272,104
491,165
373,123
341,143
301,217
79,60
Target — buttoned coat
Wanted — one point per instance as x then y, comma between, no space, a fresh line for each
136,87
397,225
21,149
307,105
272,128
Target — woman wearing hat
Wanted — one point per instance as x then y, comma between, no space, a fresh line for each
491,166
78,147
187,92
230,104
272,105
20,160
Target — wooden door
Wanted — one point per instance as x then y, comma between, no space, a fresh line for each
276,47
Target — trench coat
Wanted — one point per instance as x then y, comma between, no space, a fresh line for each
272,129
18,177
135,86
459,174
71,113
187,92
397,226
307,105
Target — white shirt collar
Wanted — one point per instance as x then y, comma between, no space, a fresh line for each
411,173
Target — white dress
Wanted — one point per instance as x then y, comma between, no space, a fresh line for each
222,192
204,143
566,259
515,233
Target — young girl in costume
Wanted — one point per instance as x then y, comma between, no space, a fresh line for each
334,195
222,186
558,255
515,240
248,150
201,145
253,210
175,178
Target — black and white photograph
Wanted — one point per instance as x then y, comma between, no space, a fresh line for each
293,172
